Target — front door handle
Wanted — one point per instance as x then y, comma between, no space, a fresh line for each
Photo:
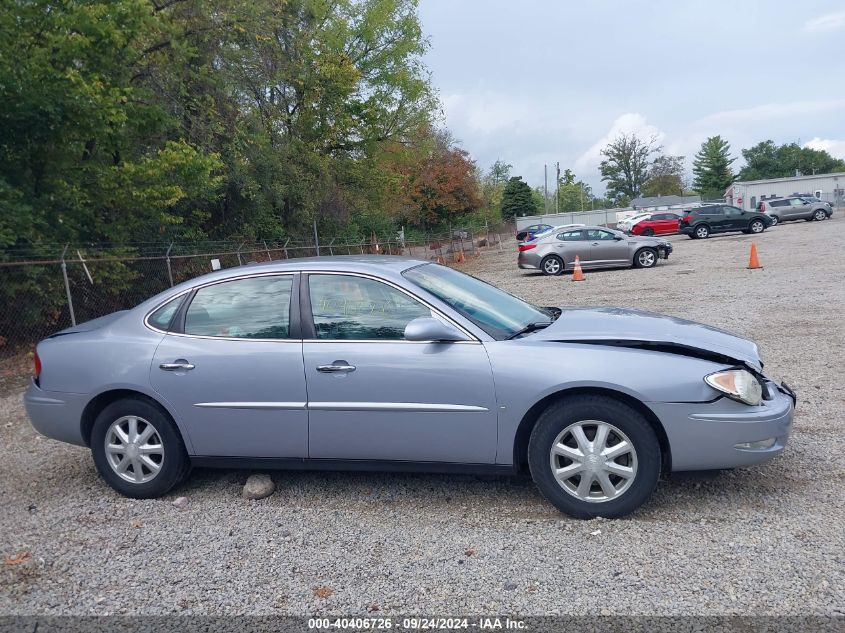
177,366
338,366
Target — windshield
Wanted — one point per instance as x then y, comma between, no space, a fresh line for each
495,311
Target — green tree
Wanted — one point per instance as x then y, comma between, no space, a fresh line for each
711,168
573,194
517,199
665,177
626,163
767,160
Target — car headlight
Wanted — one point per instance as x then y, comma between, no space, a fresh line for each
738,384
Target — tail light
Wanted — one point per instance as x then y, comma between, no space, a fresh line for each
687,218
37,360
762,206
526,247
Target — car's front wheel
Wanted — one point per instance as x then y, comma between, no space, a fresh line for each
552,265
137,449
819,215
594,456
645,258
756,226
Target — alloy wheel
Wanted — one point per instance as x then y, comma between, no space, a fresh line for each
774,219
820,215
134,449
593,461
702,232
551,266
757,227
646,259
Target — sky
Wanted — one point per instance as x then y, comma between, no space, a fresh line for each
533,82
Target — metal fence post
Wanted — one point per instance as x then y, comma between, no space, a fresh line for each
169,270
316,239
240,261
67,288
286,248
269,257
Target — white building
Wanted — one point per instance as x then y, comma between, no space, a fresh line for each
748,194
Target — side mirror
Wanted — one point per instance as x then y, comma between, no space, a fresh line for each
431,329
618,238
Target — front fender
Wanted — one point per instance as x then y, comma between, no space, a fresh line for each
526,372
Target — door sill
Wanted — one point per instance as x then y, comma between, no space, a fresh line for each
363,465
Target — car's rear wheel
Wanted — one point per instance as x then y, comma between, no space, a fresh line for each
552,265
756,226
819,215
775,219
648,232
702,232
594,456
645,258
137,449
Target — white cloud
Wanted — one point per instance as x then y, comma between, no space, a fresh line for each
770,112
628,123
827,22
834,147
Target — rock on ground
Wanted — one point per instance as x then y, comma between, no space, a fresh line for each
258,487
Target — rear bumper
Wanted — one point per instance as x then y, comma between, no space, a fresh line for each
54,414
710,435
527,260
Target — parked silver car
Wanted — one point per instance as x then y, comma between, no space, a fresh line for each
595,247
389,363
795,208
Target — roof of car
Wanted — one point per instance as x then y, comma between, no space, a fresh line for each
394,263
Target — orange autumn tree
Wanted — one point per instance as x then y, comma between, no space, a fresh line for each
436,184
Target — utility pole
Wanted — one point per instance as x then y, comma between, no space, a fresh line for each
557,187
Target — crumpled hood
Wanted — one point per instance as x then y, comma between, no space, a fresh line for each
621,325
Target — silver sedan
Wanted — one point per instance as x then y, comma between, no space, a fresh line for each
389,363
595,247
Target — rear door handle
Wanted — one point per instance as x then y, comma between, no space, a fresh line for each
339,366
179,365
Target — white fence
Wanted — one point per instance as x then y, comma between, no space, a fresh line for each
600,217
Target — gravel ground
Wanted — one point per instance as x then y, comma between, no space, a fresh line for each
764,540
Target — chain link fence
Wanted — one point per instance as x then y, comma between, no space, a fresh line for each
40,296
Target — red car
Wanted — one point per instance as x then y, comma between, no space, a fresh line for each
657,224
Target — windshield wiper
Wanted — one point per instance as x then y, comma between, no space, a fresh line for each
531,327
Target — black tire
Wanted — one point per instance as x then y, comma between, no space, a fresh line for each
775,220
756,226
175,463
648,232
819,215
568,411
701,232
642,260
552,265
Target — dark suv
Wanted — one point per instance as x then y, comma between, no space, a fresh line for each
721,218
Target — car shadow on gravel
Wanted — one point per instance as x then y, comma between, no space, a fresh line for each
696,496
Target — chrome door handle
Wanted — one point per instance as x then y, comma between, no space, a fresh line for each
175,366
336,367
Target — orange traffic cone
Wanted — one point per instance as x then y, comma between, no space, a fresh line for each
753,262
578,274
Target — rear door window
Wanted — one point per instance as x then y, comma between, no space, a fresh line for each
252,308
570,236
